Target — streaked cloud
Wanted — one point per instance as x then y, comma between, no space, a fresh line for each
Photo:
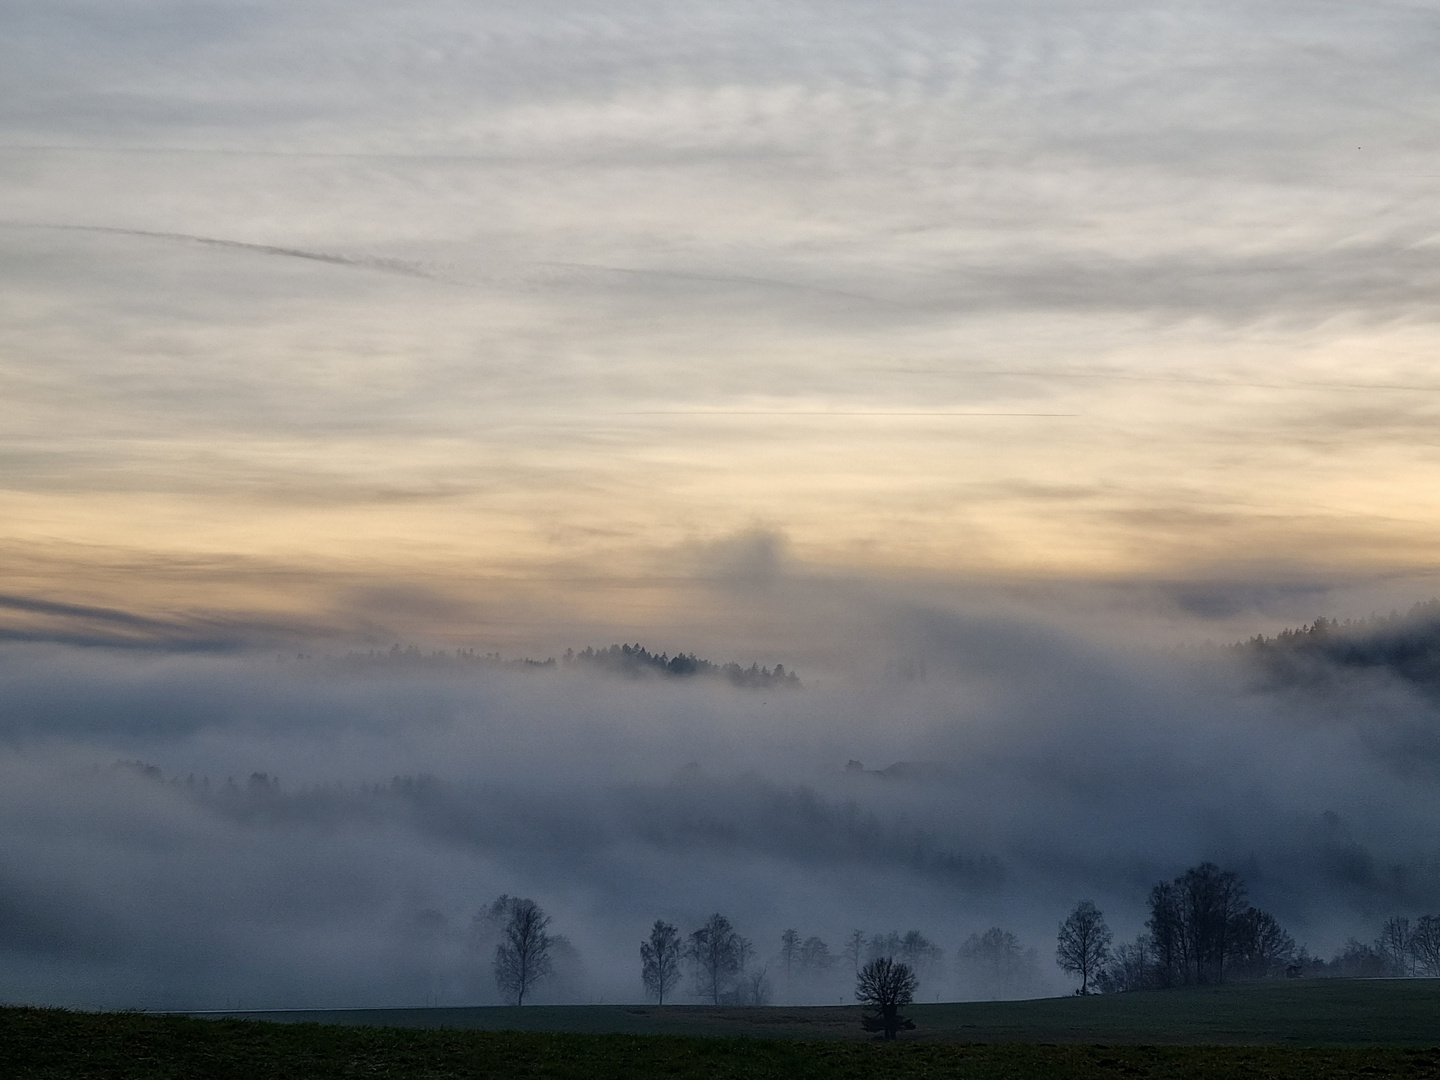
362,295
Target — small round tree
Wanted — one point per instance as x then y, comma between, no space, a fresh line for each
885,986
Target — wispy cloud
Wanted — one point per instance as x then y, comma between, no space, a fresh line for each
640,213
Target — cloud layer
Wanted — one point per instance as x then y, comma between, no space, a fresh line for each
344,293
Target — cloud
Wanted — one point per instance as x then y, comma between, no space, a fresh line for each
646,274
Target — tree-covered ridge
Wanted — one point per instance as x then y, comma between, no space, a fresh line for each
632,661
637,661
1406,646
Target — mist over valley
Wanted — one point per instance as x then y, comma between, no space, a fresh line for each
225,831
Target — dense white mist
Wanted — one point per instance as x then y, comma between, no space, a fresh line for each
1045,769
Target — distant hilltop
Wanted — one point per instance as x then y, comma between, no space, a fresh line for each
636,661
1404,646
631,661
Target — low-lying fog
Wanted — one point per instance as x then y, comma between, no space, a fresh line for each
322,832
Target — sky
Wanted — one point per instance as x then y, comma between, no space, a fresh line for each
519,310
966,357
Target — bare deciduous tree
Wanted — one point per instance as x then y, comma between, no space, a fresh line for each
789,951
815,956
886,985
1425,944
523,956
753,989
996,965
1167,934
1394,944
1259,947
854,949
1210,898
660,960
1131,967
1200,925
1083,944
717,953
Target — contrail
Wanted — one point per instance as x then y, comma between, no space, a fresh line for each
722,279
395,266
820,414
389,266
1117,376
34,606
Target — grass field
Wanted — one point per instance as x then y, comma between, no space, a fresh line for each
1322,1030
1301,1012
39,1044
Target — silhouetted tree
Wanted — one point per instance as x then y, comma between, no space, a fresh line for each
752,989
1425,945
994,964
920,953
744,949
1210,898
1167,934
523,956
1199,923
886,986
882,945
789,951
855,949
1083,943
1356,960
566,979
815,956
1131,967
1394,944
1259,947
660,960
716,952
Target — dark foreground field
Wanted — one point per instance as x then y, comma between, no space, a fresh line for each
1060,1038
1301,1012
53,1045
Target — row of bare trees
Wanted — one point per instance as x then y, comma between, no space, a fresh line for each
720,961
1411,949
1404,949
717,956
1201,930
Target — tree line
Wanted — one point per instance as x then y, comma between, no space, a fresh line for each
1406,646
718,959
1201,930
634,661
722,965
717,956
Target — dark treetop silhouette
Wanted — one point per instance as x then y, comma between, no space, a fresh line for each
885,985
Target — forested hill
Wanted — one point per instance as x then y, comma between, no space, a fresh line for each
1406,646
638,662
630,661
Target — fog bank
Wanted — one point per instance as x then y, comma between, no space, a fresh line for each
323,832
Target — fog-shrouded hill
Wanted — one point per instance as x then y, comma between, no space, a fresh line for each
1401,646
326,834
631,661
